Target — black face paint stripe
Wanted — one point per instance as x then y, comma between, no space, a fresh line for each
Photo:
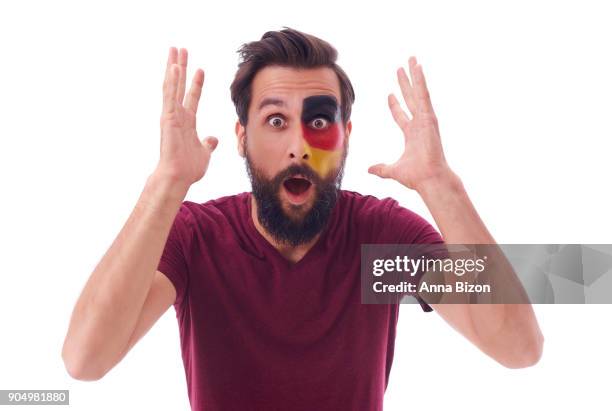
323,105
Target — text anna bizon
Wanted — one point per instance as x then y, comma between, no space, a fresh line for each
410,266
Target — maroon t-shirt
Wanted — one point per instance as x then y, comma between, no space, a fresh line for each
259,332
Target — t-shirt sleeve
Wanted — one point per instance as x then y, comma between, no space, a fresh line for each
174,262
404,226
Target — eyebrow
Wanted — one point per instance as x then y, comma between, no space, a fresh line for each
270,101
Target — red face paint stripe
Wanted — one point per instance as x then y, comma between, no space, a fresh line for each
328,139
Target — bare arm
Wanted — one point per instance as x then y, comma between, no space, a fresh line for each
109,306
509,333
118,303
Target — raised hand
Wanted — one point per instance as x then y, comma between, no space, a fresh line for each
423,159
183,157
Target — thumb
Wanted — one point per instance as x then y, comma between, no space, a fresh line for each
210,143
380,170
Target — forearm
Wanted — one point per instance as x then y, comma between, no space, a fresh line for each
107,310
453,211
506,331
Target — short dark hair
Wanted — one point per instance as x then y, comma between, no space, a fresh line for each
287,48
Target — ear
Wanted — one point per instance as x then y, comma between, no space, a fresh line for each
240,135
348,129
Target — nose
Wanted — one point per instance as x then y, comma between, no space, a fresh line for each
298,147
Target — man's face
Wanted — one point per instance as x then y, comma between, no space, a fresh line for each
295,145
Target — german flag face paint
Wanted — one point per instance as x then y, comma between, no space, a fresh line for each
322,130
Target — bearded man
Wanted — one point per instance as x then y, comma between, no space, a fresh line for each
266,284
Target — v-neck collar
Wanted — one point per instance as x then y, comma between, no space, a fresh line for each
275,253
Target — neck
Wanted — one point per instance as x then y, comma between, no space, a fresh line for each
291,253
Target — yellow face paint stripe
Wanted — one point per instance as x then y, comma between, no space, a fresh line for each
323,161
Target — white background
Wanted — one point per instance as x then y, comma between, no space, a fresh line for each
522,92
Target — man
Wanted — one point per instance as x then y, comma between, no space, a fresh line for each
266,284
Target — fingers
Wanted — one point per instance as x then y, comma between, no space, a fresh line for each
172,59
400,117
168,95
193,97
170,89
423,100
380,170
415,93
182,62
175,82
407,90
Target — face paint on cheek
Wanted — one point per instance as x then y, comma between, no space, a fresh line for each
328,139
323,161
321,127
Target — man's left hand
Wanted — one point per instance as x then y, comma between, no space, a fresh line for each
423,159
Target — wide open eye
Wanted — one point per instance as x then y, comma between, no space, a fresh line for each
276,121
319,123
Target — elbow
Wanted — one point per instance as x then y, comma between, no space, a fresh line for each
82,373
528,356
80,368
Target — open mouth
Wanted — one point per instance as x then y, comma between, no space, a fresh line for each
297,187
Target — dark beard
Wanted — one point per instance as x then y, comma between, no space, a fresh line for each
272,216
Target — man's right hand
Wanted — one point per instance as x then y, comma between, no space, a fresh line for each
183,157
126,294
